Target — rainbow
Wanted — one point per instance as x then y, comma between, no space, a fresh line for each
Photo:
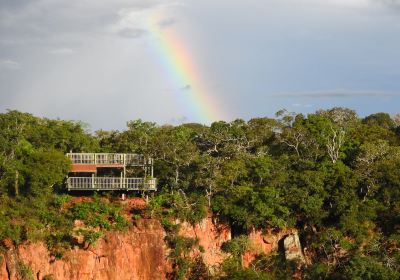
180,69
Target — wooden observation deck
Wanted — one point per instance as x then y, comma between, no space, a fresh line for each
85,169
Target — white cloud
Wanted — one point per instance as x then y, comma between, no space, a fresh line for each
62,51
302,105
130,23
9,64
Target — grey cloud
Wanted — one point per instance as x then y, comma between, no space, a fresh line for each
45,21
132,32
62,51
391,2
178,120
166,22
357,51
338,94
395,4
9,64
186,87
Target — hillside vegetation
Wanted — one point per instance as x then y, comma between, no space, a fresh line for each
332,175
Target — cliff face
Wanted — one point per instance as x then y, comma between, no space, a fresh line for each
211,236
139,253
3,269
266,242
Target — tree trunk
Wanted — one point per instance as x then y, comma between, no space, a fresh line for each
208,194
176,175
16,183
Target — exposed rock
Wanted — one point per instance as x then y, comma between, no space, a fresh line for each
292,247
211,237
11,261
263,242
139,253
3,268
7,243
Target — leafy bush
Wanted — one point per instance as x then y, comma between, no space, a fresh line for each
99,213
24,271
98,216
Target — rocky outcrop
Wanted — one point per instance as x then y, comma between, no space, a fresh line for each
211,235
292,248
264,243
139,253
3,269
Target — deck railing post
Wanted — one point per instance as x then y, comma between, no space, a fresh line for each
93,181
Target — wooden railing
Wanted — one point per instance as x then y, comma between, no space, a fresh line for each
109,159
111,183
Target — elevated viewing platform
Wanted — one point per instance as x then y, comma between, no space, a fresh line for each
99,171
111,183
109,159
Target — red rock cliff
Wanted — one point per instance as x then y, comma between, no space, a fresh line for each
139,253
210,236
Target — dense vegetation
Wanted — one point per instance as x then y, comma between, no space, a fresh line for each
332,175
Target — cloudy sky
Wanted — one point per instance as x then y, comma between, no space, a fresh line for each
106,62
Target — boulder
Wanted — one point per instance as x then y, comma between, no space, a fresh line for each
292,246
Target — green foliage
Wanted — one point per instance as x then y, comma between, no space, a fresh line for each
273,265
61,199
236,246
177,205
90,236
248,274
98,216
368,268
24,271
381,119
333,176
262,268
184,266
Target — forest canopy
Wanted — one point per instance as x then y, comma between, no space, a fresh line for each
331,174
